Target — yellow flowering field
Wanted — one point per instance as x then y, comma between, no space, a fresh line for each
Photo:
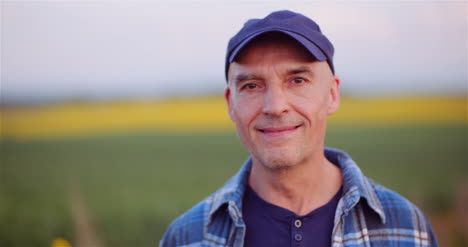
208,114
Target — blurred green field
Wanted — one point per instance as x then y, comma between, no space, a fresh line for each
134,185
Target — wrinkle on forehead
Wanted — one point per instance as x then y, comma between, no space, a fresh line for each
281,66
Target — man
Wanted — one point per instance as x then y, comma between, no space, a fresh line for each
293,191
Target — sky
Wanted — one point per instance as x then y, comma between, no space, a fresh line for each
124,49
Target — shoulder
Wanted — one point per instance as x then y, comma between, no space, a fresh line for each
403,219
209,221
396,207
206,222
189,227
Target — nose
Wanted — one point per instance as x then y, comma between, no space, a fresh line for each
275,101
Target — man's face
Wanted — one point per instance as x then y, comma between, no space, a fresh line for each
279,101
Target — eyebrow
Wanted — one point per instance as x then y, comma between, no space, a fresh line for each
244,77
300,70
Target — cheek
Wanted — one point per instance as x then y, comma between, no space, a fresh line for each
245,107
313,107
243,114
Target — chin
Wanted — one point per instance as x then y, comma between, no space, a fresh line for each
278,160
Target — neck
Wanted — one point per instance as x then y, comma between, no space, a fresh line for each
301,188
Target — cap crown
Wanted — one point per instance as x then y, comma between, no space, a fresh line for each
298,26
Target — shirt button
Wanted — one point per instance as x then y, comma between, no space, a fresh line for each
298,237
297,223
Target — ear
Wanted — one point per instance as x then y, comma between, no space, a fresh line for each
334,95
227,97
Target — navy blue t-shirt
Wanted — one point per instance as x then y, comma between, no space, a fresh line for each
270,225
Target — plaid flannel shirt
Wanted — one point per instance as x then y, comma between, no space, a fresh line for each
367,214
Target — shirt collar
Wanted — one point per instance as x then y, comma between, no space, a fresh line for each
355,187
355,184
232,193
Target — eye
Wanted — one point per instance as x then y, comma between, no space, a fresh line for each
298,80
249,86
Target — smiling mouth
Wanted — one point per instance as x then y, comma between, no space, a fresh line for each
278,130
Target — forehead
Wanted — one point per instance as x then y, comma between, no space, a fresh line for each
263,54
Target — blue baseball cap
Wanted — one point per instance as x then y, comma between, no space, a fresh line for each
297,26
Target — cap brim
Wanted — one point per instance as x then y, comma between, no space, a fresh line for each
309,45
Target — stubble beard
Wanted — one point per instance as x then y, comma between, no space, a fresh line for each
279,160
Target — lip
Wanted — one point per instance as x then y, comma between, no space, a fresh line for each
278,131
